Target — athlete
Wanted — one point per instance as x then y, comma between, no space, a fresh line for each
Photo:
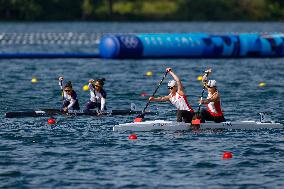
98,96
177,98
70,101
213,102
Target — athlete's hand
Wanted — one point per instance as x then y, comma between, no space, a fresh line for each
169,69
100,112
60,78
91,81
208,71
151,98
65,109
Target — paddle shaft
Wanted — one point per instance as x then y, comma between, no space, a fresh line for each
62,90
198,111
204,86
155,91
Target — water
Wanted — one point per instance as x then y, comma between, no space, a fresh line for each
84,152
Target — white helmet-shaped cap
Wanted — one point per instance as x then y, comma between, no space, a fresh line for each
211,83
172,83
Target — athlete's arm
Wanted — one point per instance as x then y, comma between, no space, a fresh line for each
91,88
204,78
214,98
72,102
103,102
60,83
159,99
176,78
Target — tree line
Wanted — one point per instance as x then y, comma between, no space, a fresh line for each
141,10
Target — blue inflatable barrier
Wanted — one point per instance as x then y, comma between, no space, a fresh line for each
193,45
248,45
121,46
272,45
174,45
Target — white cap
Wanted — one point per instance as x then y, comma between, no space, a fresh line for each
211,83
172,83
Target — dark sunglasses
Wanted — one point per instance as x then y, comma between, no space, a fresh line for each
67,91
170,88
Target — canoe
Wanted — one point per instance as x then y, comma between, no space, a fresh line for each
55,112
181,126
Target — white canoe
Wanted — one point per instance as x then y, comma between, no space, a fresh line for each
176,126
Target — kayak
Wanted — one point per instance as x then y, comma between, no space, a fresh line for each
181,126
54,112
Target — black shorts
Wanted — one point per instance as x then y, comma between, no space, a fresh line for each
206,116
185,116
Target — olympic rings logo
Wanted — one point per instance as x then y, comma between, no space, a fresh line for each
129,42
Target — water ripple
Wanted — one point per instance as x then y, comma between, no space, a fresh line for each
84,152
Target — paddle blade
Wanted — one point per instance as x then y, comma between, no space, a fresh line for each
139,118
133,107
195,122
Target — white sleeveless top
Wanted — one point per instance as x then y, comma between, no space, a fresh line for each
214,108
180,102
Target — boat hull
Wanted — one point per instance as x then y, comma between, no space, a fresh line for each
56,112
176,126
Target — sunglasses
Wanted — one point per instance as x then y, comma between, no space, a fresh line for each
170,88
67,91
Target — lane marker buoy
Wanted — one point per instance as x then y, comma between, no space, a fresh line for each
262,84
85,88
51,121
143,94
132,137
199,78
149,73
227,155
34,80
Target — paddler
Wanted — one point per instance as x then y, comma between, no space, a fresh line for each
98,96
213,101
70,100
178,98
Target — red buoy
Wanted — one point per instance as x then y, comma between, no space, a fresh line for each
51,121
227,155
143,94
132,137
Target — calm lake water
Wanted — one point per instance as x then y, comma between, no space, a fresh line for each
84,152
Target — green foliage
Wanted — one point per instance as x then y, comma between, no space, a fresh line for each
128,10
87,8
